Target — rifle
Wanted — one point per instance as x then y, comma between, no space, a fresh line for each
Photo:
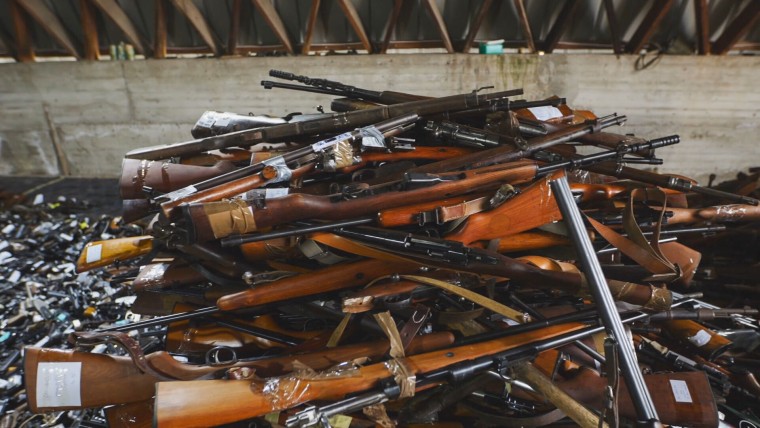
697,337
100,372
213,123
331,123
215,220
60,380
141,177
333,153
449,254
331,87
191,403
716,214
666,181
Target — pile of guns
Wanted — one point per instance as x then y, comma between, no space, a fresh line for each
408,260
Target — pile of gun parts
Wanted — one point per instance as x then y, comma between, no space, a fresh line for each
403,260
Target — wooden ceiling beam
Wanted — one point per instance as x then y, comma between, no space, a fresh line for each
738,28
114,12
38,10
23,46
702,19
275,23
9,43
617,43
159,43
90,30
356,23
651,21
198,21
440,24
560,25
311,23
522,14
390,26
232,39
475,24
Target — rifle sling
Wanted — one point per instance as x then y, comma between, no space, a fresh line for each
473,297
125,341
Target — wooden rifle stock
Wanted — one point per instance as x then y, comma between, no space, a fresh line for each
165,275
220,219
683,399
717,214
336,277
228,190
215,402
697,337
531,208
164,176
130,415
104,253
63,379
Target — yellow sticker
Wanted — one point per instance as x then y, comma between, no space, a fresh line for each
340,421
272,418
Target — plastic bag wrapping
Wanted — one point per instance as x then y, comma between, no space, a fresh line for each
403,375
286,391
153,274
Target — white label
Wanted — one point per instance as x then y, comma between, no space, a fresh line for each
680,391
223,120
545,112
700,339
58,384
276,193
94,253
206,120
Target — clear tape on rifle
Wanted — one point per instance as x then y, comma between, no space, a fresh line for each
153,273
287,391
283,172
731,213
403,376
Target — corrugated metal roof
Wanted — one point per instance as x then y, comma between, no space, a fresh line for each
230,27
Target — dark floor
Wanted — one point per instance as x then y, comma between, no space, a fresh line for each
97,195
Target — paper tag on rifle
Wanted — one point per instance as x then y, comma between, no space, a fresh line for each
94,253
545,112
700,339
58,384
680,391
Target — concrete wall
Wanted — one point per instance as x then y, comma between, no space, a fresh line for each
97,111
